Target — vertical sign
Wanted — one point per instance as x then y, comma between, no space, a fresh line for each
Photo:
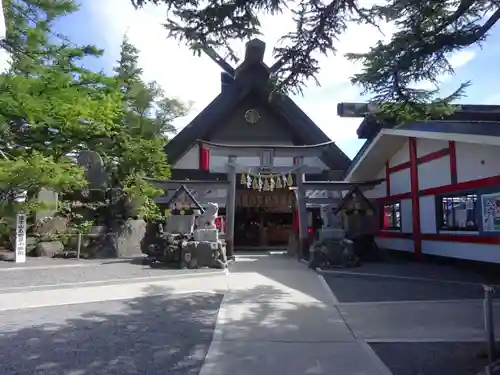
21,238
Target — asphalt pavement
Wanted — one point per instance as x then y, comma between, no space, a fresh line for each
150,335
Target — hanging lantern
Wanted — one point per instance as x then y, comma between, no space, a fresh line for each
249,181
243,180
279,185
168,212
266,187
272,183
283,176
260,183
182,212
289,180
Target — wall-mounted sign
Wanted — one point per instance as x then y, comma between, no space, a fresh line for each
276,199
20,254
490,204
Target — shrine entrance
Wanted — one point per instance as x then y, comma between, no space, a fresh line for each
263,218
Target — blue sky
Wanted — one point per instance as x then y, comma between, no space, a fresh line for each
197,78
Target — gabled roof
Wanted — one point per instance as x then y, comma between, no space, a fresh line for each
234,93
184,190
387,141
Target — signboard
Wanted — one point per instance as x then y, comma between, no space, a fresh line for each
278,199
490,204
20,255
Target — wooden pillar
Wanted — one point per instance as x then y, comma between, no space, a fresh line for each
302,212
230,206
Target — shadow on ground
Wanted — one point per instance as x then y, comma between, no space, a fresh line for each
431,358
155,334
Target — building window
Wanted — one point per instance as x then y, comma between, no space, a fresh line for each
391,216
457,212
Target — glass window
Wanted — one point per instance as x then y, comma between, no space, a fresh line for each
458,212
391,216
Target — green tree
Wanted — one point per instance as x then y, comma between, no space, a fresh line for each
50,107
148,111
428,31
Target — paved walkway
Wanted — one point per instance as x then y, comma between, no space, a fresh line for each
276,317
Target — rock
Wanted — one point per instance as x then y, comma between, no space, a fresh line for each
51,225
127,242
196,254
333,253
49,249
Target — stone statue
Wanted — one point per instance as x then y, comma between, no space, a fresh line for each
207,219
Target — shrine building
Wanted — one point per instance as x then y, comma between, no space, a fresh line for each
244,113
441,190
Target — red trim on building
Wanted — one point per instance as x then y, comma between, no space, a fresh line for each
384,234
415,199
204,155
453,162
448,237
387,180
421,160
467,238
467,185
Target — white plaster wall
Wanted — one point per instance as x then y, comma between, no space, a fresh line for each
379,190
406,216
426,146
402,156
191,160
476,161
401,244
462,250
428,214
400,182
434,173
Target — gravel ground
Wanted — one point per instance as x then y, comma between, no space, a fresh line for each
88,272
431,358
150,335
355,288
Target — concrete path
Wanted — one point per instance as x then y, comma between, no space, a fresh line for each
278,317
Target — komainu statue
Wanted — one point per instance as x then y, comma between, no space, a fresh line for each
207,219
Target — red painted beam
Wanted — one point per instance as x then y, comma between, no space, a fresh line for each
421,160
453,162
415,200
467,185
470,238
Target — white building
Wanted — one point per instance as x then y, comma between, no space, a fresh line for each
441,194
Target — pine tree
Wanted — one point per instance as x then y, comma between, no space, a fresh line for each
148,112
428,32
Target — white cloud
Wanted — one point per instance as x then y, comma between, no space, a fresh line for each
198,78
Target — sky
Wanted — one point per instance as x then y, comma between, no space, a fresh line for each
197,79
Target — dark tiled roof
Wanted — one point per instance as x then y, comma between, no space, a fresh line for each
300,124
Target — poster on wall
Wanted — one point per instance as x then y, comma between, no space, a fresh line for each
490,204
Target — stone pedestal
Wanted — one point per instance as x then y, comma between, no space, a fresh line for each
209,235
197,254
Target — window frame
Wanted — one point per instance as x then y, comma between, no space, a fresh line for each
382,216
440,228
